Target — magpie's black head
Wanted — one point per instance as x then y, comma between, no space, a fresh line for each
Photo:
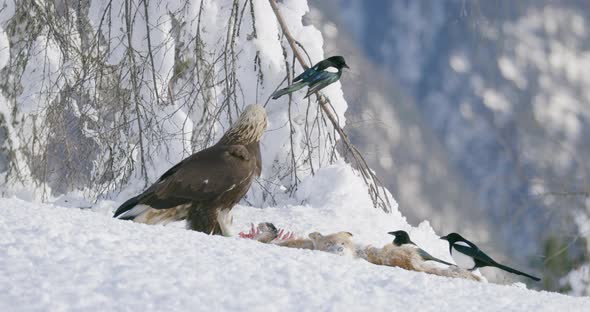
337,61
401,238
453,237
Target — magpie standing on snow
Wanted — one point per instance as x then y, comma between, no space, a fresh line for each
317,77
402,238
470,257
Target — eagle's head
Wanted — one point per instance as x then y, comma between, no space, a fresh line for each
248,128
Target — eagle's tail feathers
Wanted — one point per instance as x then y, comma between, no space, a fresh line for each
124,212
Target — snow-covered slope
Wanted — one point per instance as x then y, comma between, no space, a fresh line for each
497,85
61,259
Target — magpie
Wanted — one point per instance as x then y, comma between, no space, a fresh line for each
317,77
402,238
467,255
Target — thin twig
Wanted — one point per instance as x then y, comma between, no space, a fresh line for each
131,56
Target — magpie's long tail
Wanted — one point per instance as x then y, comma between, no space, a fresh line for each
125,207
292,88
427,257
441,261
511,270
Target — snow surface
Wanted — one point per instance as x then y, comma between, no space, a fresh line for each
54,258
62,259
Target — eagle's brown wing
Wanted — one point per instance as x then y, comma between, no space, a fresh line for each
205,178
254,149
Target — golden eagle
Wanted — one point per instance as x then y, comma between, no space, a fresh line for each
205,186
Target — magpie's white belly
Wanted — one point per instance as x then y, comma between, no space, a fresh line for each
462,260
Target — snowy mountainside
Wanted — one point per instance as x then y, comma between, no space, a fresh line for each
54,258
500,86
385,124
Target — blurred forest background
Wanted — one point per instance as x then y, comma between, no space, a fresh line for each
476,114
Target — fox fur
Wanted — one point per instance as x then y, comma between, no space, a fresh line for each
337,243
408,258
301,243
405,256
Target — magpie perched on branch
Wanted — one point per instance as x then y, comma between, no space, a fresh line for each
317,77
403,238
467,255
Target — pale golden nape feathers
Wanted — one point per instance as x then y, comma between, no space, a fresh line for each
248,128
